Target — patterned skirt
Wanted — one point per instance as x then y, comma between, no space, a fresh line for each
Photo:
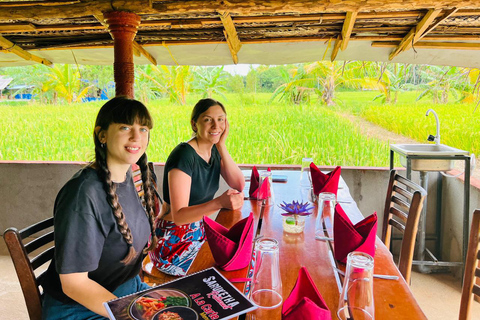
177,246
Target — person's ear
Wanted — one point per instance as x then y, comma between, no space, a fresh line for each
101,134
194,125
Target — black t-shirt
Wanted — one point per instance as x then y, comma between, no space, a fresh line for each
205,176
87,238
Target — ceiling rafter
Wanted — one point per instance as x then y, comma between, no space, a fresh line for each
336,47
447,14
347,28
431,45
231,35
13,48
415,33
137,48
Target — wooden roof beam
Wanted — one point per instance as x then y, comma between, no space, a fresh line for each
336,47
347,28
415,33
137,46
231,35
13,48
447,14
74,10
432,45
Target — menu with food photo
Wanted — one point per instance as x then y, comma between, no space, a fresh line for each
205,295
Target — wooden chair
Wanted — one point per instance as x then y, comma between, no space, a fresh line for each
28,256
403,207
472,271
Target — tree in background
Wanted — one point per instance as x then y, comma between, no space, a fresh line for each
210,81
297,85
66,83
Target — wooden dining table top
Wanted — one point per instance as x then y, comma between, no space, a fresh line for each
392,298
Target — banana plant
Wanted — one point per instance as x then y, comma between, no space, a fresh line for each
65,81
210,81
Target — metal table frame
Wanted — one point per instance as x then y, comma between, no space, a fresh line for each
466,208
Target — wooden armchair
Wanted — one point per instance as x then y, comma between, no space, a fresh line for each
28,256
472,271
403,207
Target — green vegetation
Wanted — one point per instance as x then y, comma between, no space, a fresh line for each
261,132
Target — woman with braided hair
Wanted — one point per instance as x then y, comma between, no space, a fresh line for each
102,227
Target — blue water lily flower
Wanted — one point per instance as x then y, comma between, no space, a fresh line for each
296,207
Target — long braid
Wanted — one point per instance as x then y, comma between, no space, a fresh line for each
112,198
149,199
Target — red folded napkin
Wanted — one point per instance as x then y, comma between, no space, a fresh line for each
254,182
324,182
231,249
305,302
349,237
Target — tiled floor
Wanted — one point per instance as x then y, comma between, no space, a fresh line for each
437,294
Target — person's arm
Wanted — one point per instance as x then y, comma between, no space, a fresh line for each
229,169
85,291
179,184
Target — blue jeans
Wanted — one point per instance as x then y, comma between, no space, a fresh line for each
53,309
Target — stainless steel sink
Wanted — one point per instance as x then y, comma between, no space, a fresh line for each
426,150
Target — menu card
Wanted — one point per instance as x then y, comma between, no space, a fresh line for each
205,295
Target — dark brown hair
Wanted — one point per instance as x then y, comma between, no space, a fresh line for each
202,106
127,111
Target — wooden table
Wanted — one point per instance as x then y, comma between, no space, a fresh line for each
393,298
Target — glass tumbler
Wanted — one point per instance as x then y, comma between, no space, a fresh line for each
267,282
265,188
326,212
356,299
306,180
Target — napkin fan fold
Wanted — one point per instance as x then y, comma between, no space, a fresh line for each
324,182
254,191
231,248
305,301
349,237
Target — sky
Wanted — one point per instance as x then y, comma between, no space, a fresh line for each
240,69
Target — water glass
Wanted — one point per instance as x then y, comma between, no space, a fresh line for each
305,177
326,212
267,282
356,299
265,195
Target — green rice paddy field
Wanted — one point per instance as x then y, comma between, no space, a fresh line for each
261,132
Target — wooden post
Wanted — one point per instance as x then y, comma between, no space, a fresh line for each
123,28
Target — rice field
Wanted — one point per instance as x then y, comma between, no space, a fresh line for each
261,133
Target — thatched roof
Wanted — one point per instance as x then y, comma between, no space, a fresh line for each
194,32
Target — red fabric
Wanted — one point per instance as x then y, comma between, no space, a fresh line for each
305,301
254,181
254,184
231,249
324,182
349,237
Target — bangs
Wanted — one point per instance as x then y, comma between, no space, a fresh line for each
123,110
133,113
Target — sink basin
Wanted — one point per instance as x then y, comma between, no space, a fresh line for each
426,150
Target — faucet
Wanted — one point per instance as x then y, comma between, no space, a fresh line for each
437,137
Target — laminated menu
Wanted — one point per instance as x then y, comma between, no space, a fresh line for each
205,295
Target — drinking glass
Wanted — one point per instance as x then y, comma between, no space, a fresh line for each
306,180
356,299
267,283
265,188
326,212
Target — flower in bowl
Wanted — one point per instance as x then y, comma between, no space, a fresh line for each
296,208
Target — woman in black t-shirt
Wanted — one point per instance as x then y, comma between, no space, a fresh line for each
101,227
191,178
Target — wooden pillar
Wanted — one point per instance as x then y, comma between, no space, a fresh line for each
123,28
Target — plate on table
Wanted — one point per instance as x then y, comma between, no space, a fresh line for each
148,305
176,313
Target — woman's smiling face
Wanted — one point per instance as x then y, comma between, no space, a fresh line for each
125,143
210,124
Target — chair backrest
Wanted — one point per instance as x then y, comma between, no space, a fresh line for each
403,207
472,271
28,255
